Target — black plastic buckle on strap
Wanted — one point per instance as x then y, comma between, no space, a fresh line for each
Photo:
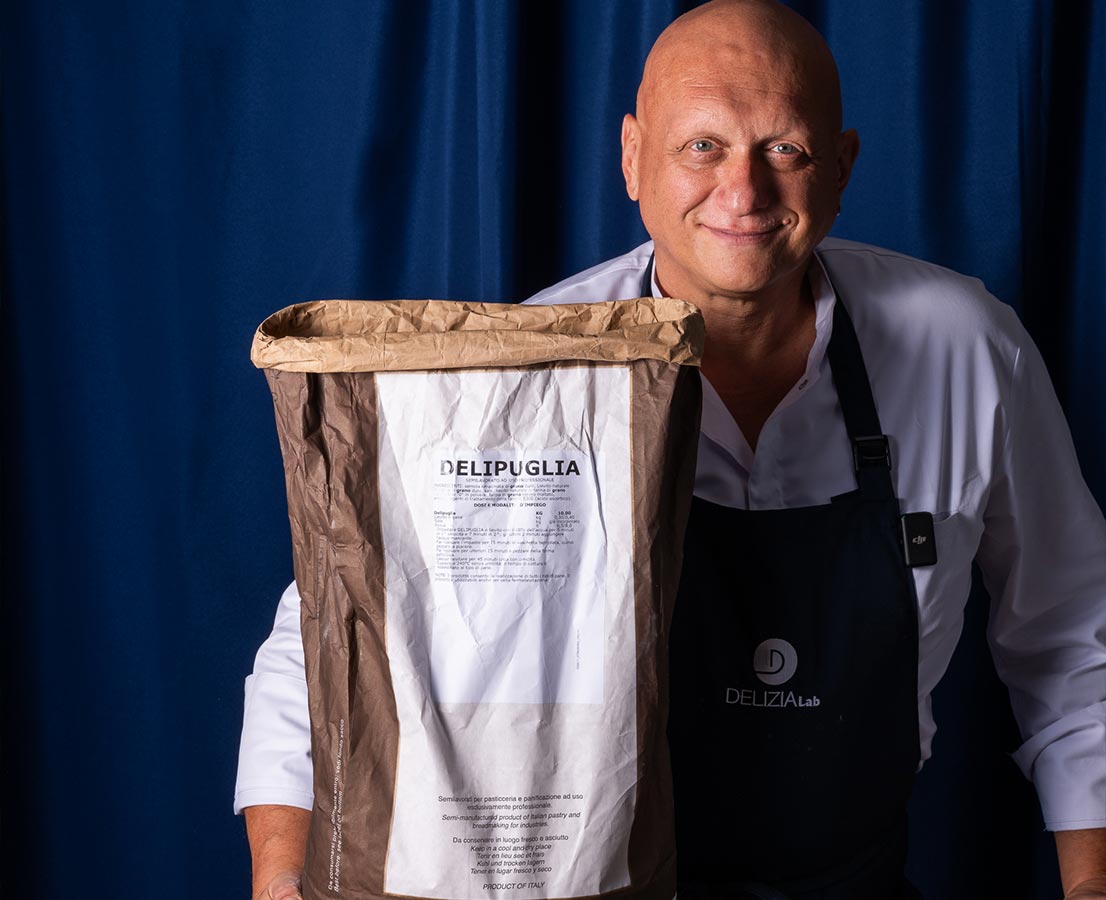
871,450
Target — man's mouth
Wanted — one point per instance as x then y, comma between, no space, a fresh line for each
745,234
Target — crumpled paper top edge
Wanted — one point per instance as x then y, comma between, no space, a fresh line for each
411,335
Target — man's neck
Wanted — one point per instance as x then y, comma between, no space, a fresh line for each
749,330
756,345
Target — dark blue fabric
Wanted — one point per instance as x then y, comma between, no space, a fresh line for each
173,172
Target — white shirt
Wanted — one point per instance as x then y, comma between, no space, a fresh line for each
977,439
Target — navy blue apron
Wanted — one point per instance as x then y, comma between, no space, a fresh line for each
794,700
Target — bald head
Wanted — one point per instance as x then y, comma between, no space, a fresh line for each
760,43
736,155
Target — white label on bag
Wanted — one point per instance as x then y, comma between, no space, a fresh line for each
519,570
505,509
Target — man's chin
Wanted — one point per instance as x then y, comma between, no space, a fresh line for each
739,280
750,270
707,271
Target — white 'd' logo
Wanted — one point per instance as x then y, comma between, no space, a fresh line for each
775,661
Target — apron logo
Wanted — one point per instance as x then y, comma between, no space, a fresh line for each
775,661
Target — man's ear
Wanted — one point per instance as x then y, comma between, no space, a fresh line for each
848,146
631,143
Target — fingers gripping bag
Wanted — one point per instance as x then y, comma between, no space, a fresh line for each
487,506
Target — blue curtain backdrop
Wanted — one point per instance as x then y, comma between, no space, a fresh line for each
173,172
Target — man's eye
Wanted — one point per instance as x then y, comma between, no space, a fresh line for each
786,148
702,145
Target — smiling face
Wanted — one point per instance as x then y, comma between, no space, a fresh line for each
736,155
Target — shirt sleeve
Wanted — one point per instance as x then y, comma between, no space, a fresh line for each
1043,557
274,757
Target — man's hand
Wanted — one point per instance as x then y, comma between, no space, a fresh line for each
285,886
1082,856
278,841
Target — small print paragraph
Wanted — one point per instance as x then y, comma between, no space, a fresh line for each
512,837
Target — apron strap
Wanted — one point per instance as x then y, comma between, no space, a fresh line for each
646,289
871,449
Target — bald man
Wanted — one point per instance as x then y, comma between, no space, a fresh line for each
871,425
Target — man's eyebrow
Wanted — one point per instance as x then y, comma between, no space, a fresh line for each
693,119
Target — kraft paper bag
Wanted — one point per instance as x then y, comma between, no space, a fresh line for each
487,506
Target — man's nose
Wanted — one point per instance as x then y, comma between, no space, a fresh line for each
744,184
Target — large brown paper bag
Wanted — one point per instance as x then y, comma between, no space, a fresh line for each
487,506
